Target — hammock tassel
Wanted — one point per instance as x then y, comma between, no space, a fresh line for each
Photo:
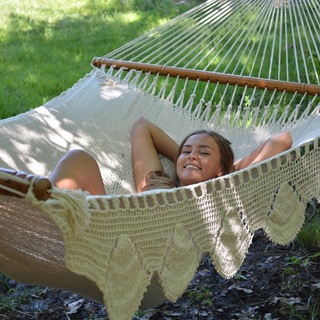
68,208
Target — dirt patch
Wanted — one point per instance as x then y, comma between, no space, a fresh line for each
275,282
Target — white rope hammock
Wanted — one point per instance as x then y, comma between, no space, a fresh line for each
237,37
258,63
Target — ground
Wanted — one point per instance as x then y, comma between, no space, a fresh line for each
275,282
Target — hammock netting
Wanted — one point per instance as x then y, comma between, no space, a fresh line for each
247,69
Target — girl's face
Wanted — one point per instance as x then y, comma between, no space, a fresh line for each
199,160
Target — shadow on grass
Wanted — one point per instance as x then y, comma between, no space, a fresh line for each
43,56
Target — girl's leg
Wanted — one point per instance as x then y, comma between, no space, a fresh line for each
78,170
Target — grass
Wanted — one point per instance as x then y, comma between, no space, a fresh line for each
45,47
309,236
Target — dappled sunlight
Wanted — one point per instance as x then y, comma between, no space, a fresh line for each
80,118
50,45
130,17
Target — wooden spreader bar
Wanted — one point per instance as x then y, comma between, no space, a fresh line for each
16,183
215,77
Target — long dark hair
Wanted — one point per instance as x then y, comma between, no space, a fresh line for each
160,180
226,153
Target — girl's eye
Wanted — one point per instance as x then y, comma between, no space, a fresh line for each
185,151
204,153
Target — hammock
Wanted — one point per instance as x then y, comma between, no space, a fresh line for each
247,69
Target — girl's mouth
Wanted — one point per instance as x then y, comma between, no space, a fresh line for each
191,166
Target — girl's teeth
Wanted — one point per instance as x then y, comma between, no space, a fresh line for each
191,166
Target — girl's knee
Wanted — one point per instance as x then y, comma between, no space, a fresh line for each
78,169
79,156
76,162
285,140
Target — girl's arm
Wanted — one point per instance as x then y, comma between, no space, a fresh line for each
148,141
273,146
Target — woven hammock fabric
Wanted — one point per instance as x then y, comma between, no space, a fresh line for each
124,242
136,250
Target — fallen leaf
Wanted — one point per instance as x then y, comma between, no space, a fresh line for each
171,314
290,301
240,289
73,307
272,258
204,272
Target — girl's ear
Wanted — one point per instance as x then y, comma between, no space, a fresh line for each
220,172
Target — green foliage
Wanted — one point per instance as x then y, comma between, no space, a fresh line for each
309,236
201,294
45,47
12,300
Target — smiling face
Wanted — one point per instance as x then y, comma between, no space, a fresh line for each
199,160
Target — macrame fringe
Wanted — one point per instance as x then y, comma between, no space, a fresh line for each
68,205
201,104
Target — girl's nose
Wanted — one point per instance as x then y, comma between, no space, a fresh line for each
192,155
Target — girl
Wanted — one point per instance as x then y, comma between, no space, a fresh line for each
201,156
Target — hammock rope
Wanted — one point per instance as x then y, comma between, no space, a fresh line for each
242,45
214,77
261,34
247,69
